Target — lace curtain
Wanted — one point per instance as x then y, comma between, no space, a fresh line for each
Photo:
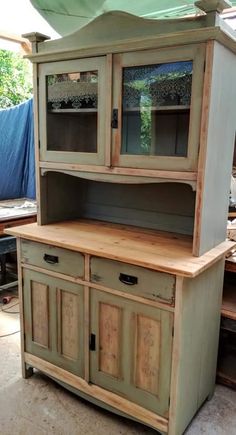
157,85
69,91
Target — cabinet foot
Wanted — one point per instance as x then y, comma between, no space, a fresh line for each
27,371
210,396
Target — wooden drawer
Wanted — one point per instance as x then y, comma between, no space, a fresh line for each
133,279
52,258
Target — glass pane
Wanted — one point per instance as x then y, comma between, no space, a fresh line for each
72,101
155,109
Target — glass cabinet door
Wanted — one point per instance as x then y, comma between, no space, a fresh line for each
72,111
159,109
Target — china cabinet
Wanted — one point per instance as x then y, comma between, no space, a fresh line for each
122,276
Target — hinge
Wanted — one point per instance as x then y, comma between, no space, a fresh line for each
204,66
37,81
39,144
173,330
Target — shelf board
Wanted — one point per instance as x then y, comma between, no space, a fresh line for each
157,108
229,302
73,111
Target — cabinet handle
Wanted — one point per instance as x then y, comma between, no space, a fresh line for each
128,279
92,344
114,121
51,259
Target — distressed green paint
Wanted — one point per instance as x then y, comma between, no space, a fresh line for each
151,285
69,262
125,385
52,354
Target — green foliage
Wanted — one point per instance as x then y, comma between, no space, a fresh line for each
15,79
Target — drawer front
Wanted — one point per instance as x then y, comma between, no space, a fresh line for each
52,258
133,279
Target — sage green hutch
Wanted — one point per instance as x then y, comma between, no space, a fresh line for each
121,278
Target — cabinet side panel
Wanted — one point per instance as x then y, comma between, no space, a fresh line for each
62,197
216,149
196,335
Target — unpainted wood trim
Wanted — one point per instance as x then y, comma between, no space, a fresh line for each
203,147
87,267
99,393
175,355
59,320
171,175
108,110
86,333
134,298
117,104
23,42
36,140
20,294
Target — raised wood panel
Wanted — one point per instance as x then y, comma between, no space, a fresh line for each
69,315
110,318
40,313
147,353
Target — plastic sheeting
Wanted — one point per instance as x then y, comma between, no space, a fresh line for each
17,163
70,15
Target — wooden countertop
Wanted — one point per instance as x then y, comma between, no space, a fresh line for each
166,252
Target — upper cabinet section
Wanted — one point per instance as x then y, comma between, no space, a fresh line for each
72,102
124,96
157,100
152,121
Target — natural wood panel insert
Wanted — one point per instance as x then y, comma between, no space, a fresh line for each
148,346
69,324
166,252
110,319
40,317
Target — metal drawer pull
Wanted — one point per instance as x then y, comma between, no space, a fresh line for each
128,279
51,259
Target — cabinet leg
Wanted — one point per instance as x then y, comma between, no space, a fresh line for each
27,371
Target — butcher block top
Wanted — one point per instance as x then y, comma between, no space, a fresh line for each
166,252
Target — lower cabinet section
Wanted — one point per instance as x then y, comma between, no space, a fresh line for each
53,320
130,343
130,350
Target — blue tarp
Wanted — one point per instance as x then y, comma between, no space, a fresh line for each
17,165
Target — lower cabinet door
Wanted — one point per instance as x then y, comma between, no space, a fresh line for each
130,350
53,320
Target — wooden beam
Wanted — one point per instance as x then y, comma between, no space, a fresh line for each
25,45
